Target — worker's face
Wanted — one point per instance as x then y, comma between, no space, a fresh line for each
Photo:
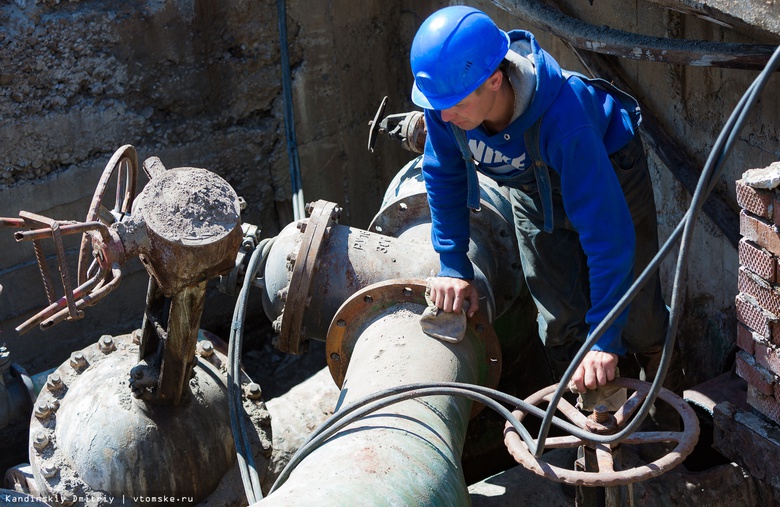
470,112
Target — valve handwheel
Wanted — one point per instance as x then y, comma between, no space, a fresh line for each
124,162
607,475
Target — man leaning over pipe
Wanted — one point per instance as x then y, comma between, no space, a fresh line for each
567,148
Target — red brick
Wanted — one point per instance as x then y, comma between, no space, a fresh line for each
755,375
766,295
775,204
759,201
757,260
768,356
745,339
767,405
750,313
759,231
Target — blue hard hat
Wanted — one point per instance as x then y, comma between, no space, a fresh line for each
455,50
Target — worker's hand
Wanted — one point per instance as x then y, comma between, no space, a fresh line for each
597,368
449,294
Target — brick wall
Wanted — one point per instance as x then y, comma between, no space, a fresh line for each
758,301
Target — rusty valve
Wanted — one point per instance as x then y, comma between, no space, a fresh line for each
98,276
602,422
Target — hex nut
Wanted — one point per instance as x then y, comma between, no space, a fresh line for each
253,391
106,344
40,440
49,470
42,409
54,382
206,348
78,361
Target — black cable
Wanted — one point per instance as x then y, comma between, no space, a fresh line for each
244,455
378,400
710,174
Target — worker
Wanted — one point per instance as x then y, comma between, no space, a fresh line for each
568,150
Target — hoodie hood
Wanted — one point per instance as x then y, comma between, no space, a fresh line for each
549,78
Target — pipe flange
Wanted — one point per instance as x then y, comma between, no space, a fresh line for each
401,214
292,334
364,305
608,475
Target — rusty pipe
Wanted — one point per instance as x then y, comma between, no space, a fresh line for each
316,264
408,454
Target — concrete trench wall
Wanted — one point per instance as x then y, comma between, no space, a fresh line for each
197,83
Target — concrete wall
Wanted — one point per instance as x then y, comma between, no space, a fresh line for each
198,83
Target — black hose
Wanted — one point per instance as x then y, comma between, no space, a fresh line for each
244,455
712,170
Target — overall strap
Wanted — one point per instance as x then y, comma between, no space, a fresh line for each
541,171
472,198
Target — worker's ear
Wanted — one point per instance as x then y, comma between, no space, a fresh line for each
495,80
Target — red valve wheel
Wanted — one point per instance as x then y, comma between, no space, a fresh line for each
124,163
683,441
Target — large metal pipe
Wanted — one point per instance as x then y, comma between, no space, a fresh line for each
316,264
363,292
407,454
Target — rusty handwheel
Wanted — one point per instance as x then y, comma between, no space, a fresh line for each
607,475
124,162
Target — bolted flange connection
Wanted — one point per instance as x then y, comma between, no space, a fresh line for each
95,410
42,409
300,265
49,470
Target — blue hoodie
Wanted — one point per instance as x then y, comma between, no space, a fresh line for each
582,126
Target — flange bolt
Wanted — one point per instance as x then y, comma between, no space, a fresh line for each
78,361
106,344
253,391
206,348
49,470
42,409
54,382
40,440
